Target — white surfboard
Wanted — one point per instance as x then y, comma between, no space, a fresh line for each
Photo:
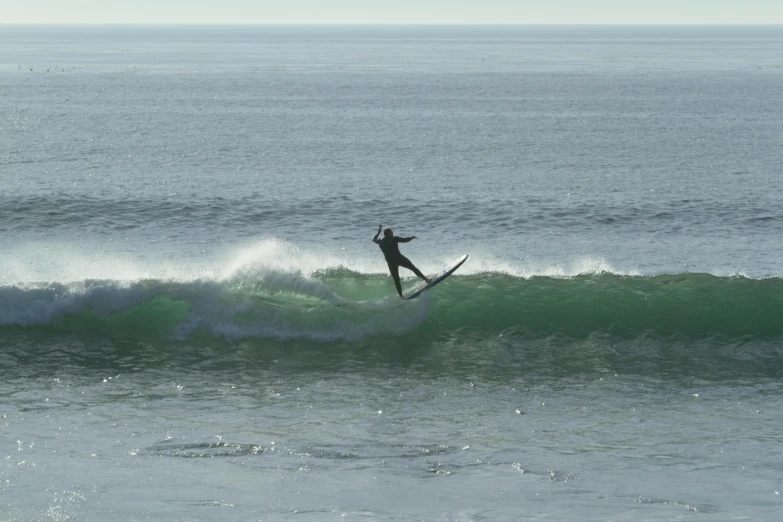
438,278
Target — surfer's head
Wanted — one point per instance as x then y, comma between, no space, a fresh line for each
388,233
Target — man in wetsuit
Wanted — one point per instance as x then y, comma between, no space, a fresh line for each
393,256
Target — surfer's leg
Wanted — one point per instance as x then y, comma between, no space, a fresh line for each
395,273
410,266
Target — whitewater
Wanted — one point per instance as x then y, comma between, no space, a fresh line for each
195,325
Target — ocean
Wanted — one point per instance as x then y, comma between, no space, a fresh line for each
195,325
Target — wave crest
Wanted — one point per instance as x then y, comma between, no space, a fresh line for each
341,305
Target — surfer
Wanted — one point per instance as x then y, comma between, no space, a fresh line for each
393,256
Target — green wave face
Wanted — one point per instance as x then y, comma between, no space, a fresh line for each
341,306
492,325
687,306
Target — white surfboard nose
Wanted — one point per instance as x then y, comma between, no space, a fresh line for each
446,272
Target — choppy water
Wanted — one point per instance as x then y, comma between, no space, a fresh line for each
194,324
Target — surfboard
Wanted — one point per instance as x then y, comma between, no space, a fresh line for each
446,272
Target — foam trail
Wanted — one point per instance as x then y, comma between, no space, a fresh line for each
31,306
587,265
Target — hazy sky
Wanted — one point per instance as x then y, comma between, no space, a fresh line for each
393,12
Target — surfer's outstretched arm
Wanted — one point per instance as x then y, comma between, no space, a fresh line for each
405,239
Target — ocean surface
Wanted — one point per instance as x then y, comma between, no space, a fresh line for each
195,326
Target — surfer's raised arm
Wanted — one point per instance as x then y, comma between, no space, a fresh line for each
375,237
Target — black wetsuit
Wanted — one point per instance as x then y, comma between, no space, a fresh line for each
392,252
395,259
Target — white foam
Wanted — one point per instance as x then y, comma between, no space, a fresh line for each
41,305
47,281
65,263
254,303
296,320
482,264
284,256
278,255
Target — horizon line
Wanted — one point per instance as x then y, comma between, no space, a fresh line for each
395,24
